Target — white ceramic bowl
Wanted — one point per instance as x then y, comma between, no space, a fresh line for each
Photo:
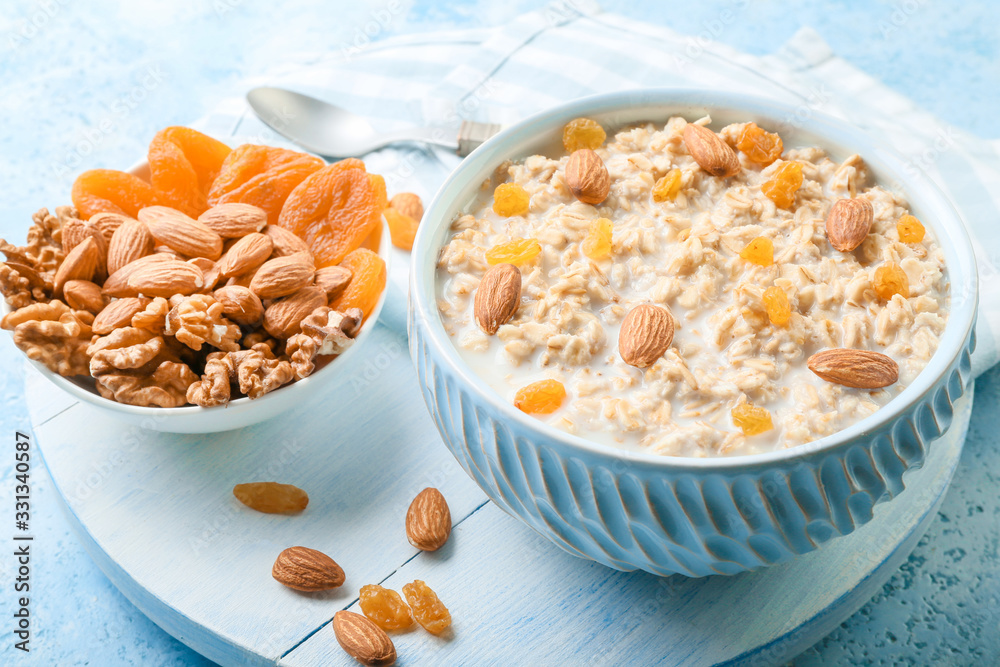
239,412
632,510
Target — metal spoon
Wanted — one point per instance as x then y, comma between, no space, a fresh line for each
328,130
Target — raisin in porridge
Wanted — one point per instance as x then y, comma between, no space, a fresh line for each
691,293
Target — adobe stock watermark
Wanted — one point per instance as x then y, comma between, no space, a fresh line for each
33,23
378,22
900,15
696,46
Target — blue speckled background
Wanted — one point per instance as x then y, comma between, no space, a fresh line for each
87,85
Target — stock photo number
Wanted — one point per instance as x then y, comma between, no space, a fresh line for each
22,541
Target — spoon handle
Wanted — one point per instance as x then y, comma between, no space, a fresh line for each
472,134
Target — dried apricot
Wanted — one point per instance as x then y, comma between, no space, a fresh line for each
107,190
374,240
760,251
759,146
367,282
427,608
751,419
335,209
667,187
510,199
597,245
583,133
183,163
272,497
779,310
783,184
402,228
384,607
910,229
516,251
890,279
540,398
263,176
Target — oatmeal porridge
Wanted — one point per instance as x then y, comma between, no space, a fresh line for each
690,293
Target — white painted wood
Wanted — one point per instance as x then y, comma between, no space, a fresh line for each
157,514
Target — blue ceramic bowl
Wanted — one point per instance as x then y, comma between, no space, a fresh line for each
679,515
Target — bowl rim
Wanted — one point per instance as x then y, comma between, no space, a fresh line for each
237,404
911,182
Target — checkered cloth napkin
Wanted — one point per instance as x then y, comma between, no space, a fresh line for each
572,49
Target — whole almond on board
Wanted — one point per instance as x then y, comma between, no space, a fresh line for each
167,279
283,318
710,152
209,272
232,221
409,204
307,570
587,177
108,223
117,283
272,497
645,334
246,255
428,521
240,304
181,233
79,264
282,276
363,640
860,369
332,280
285,242
497,297
848,223
83,295
131,241
118,314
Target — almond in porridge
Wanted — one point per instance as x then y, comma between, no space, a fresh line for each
799,295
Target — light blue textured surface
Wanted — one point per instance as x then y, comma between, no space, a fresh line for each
88,85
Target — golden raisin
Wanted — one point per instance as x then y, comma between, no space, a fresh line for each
384,607
540,398
597,245
668,186
271,497
751,419
583,133
760,251
427,608
759,146
510,199
779,311
785,181
910,229
516,251
890,279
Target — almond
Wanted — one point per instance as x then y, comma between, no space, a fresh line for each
409,204
246,255
645,334
860,369
108,223
282,276
283,318
306,569
285,242
118,314
79,264
181,233
83,295
232,221
166,279
131,241
272,497
497,297
428,521
587,177
73,234
240,304
332,279
848,223
363,640
710,152
117,283
209,272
